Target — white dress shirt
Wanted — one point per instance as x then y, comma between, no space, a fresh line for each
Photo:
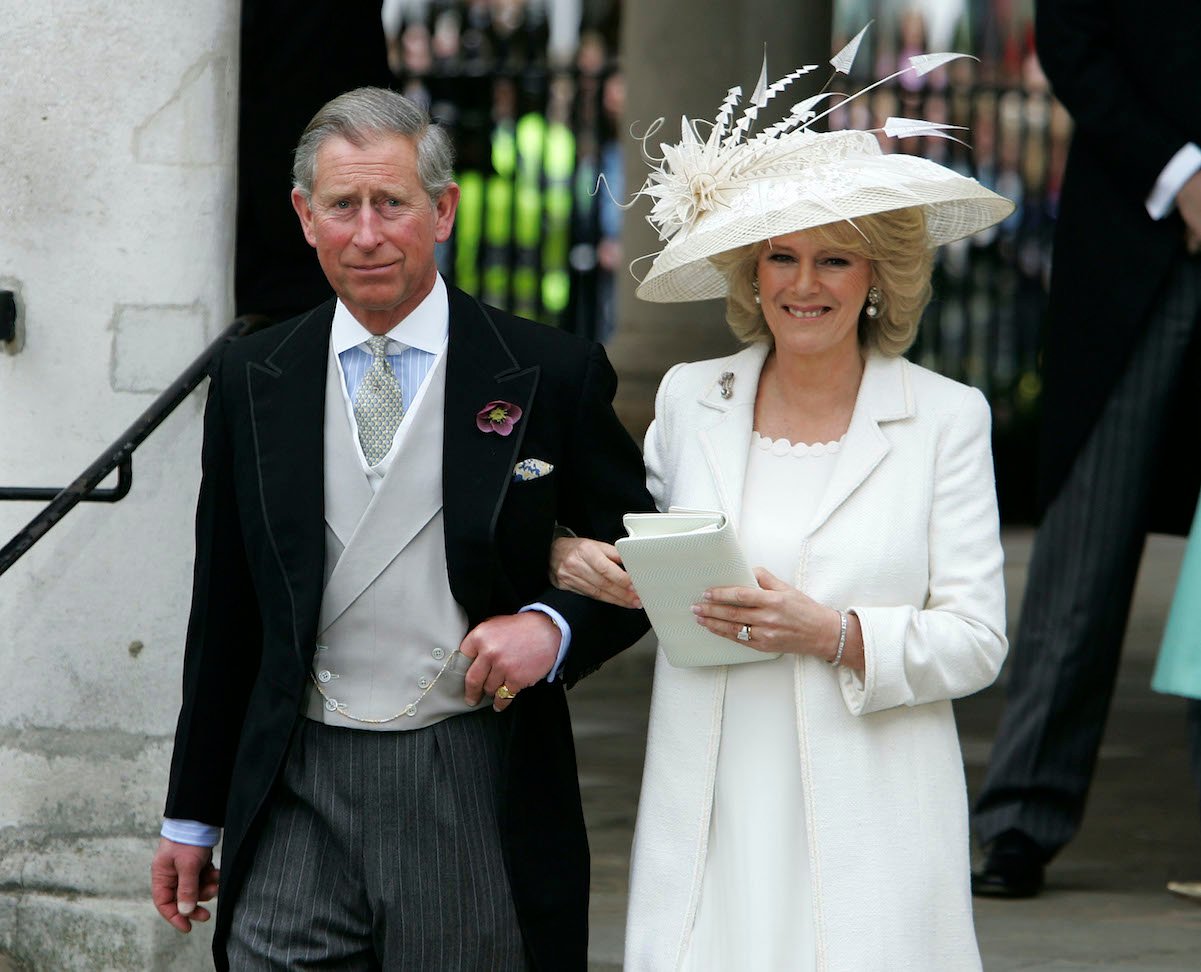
414,345
1175,174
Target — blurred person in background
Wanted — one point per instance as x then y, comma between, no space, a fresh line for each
1119,406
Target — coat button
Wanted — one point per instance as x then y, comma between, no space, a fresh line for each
331,705
423,682
410,709
323,676
438,653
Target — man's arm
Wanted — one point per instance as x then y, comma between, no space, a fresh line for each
1081,50
224,638
220,660
603,478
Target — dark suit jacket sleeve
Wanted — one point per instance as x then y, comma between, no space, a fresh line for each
224,637
604,479
1085,53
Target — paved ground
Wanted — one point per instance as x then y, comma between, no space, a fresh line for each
1105,906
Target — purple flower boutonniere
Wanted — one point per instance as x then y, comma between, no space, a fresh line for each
498,417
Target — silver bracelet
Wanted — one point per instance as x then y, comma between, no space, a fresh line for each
842,639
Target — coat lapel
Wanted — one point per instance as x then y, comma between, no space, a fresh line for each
286,392
725,434
883,397
726,437
477,467
348,493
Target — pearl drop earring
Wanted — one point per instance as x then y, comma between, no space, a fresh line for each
872,309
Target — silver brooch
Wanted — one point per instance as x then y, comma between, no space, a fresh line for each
727,384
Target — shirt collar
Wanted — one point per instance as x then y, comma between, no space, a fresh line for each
424,328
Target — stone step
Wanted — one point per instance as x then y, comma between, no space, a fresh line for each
42,932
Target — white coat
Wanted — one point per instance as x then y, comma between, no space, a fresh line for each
907,538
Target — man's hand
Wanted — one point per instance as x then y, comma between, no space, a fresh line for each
180,876
1188,201
513,650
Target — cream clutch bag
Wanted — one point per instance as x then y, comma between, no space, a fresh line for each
673,558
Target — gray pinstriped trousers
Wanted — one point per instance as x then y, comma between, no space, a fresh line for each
381,851
1082,571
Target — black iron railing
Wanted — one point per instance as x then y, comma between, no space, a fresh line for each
8,317
117,457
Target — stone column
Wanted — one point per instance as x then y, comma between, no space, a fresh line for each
116,233
680,57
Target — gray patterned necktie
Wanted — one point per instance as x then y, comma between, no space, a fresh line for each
378,403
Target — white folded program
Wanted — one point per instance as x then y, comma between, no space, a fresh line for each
673,558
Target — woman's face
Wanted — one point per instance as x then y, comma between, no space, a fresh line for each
811,295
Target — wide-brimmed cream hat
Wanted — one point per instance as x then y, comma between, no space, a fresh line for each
732,188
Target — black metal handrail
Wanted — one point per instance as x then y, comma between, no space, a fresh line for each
118,456
97,495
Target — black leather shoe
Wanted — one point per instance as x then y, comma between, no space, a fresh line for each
1013,868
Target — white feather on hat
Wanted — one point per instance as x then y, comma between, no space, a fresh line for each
733,188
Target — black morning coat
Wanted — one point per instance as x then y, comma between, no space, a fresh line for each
260,549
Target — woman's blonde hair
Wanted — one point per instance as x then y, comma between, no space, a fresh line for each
896,244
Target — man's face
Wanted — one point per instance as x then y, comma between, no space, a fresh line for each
374,227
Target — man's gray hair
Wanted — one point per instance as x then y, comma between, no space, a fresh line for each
366,114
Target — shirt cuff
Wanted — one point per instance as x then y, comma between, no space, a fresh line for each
564,633
1175,174
191,832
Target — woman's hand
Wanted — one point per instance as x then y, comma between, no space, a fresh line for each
593,569
780,618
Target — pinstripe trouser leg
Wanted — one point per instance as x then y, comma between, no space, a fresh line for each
1080,582
381,851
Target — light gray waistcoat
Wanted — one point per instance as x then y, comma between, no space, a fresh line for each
389,627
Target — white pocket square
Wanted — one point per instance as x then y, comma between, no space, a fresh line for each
529,469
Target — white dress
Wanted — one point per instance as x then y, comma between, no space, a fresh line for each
756,907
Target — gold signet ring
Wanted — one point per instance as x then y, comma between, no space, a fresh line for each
504,692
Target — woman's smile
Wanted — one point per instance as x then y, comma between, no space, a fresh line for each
804,280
